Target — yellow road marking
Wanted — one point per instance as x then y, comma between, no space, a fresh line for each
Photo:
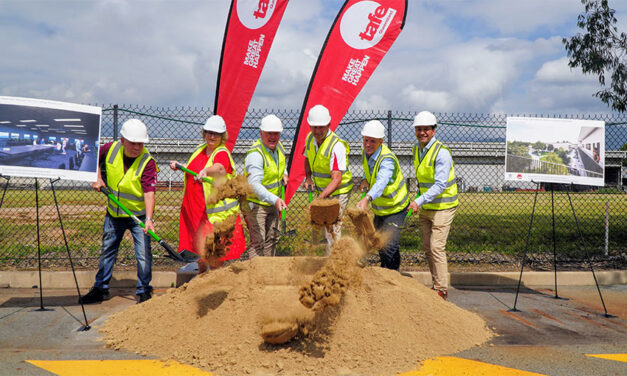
451,366
138,367
616,357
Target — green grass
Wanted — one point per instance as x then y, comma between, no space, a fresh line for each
485,222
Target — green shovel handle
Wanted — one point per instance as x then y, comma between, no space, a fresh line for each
185,169
309,192
107,192
283,198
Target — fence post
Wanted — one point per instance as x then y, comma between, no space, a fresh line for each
115,122
607,226
390,129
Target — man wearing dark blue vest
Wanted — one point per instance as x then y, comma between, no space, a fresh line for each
435,173
130,172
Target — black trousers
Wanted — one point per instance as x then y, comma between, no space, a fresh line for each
390,253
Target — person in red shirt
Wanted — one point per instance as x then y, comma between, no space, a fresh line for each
210,159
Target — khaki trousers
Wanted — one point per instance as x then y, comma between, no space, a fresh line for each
435,226
261,222
336,229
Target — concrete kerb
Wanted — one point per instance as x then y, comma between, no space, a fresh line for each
165,279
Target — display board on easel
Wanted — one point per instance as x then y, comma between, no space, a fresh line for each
49,139
568,151
54,140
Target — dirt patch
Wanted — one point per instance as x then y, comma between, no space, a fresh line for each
325,212
377,323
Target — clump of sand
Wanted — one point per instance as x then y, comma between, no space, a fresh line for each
236,187
382,323
370,239
324,211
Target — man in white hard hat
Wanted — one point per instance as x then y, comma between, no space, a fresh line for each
326,164
129,171
435,173
388,194
265,168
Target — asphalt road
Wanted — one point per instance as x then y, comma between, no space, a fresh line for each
547,336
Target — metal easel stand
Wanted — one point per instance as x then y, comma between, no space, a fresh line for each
41,294
69,256
588,257
524,259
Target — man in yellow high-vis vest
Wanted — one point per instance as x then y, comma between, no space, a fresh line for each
435,173
388,194
265,168
130,172
326,165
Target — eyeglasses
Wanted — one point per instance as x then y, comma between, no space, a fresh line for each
211,134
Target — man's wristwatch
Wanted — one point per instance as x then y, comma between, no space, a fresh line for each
149,219
369,198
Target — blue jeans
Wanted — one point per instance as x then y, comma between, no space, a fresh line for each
390,254
113,232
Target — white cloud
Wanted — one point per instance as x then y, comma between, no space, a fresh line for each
484,55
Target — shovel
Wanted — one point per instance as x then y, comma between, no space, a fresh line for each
409,213
185,256
283,223
185,169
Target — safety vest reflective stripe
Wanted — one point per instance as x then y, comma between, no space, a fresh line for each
443,200
429,185
114,153
223,207
142,163
334,140
345,185
321,175
273,170
425,174
272,186
319,163
127,196
137,213
393,194
384,207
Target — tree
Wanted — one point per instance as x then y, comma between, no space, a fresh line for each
601,51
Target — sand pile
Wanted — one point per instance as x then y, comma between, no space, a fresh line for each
382,323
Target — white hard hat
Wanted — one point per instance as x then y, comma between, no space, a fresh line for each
425,118
215,124
134,130
374,129
318,116
271,123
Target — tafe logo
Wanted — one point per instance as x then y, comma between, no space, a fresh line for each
255,13
364,24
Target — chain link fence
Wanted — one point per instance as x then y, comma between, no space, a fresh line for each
491,227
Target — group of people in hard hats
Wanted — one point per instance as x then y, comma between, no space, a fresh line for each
127,168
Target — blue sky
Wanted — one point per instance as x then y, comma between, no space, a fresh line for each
488,56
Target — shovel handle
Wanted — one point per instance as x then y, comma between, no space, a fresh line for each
411,211
111,197
309,192
283,198
185,169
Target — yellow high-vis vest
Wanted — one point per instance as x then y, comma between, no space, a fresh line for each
395,196
223,208
126,186
272,173
319,163
425,174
